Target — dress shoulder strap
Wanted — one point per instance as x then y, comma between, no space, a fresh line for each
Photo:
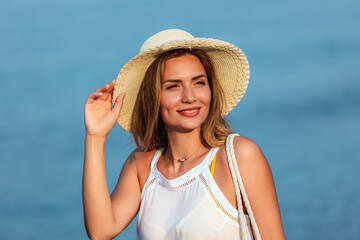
156,157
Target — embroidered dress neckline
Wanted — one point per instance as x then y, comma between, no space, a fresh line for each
187,176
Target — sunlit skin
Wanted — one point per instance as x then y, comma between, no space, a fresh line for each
185,94
185,101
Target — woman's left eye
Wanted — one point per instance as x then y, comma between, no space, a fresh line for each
200,83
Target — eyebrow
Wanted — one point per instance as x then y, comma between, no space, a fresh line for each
177,80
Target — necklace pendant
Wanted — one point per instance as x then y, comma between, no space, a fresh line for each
182,159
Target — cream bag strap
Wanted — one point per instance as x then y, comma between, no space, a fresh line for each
240,190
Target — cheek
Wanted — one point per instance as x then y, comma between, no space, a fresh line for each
206,97
170,99
167,103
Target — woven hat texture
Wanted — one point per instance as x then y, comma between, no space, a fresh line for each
230,64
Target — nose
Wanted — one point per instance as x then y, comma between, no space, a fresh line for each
188,95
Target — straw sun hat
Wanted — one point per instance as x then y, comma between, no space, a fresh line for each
230,63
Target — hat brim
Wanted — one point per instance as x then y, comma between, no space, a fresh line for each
230,65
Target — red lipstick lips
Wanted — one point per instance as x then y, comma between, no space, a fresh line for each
190,112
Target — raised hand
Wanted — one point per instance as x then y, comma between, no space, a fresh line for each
100,116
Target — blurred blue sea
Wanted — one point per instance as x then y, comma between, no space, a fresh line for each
302,105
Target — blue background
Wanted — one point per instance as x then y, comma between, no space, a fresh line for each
302,105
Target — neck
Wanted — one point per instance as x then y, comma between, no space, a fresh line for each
184,145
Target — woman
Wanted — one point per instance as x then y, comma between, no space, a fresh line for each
178,90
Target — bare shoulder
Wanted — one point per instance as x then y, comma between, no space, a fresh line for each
139,158
126,196
248,152
140,161
253,166
134,172
260,187
245,144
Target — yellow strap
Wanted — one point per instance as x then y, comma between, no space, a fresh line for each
213,165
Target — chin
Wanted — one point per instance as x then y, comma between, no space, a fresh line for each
184,128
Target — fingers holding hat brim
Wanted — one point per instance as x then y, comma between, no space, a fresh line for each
106,91
118,104
102,93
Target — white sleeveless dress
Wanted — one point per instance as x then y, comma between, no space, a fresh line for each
188,207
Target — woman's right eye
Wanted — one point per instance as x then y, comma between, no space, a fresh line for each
171,86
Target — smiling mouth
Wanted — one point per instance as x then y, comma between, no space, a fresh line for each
190,112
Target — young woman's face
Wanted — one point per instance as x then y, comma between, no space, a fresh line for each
185,94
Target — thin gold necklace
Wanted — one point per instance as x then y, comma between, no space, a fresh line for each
179,159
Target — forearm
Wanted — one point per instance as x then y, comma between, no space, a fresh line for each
99,218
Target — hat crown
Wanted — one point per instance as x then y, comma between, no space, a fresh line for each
164,37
